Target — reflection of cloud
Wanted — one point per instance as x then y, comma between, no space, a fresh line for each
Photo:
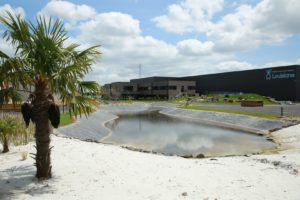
194,142
172,136
157,134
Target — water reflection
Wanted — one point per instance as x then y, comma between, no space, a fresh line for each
163,134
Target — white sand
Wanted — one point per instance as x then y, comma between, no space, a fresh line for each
90,171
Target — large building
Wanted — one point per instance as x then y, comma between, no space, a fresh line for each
152,87
281,83
119,90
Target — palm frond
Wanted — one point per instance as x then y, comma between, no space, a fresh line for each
3,55
9,94
17,33
82,105
89,88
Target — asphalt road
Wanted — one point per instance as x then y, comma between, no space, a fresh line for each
288,110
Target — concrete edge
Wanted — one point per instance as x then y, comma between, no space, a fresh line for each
109,131
221,124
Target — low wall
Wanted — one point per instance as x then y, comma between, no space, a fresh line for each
247,103
10,108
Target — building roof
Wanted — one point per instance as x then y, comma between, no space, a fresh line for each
156,78
249,70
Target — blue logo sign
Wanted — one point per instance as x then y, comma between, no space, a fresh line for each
268,74
280,74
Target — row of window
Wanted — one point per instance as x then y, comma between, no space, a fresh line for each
171,87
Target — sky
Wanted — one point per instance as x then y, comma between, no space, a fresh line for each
173,37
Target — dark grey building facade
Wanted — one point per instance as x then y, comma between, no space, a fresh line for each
281,83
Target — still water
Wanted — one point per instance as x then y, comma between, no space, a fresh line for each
163,134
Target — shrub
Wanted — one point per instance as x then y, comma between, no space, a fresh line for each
13,130
24,155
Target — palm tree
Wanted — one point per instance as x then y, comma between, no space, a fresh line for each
52,67
9,73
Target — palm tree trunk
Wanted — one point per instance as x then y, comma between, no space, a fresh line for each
42,131
5,146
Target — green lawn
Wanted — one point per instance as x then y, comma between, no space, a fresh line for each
65,119
254,114
225,99
249,96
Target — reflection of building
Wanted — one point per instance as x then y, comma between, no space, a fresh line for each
281,83
152,87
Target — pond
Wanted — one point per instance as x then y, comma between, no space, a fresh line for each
162,134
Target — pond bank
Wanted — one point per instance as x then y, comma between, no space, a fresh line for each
93,128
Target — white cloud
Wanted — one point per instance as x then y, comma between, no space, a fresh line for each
124,47
193,47
121,39
233,66
270,21
278,15
68,11
282,63
189,15
107,27
246,28
7,8
6,47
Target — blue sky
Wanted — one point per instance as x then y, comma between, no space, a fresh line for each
174,37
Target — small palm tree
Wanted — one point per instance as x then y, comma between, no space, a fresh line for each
8,128
8,76
3,136
52,67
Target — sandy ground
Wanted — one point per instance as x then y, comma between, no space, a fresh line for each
84,170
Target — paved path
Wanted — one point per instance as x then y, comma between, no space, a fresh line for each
288,110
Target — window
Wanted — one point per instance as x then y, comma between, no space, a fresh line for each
163,87
154,87
128,88
191,87
143,88
172,87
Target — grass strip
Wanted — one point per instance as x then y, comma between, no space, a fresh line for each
65,119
